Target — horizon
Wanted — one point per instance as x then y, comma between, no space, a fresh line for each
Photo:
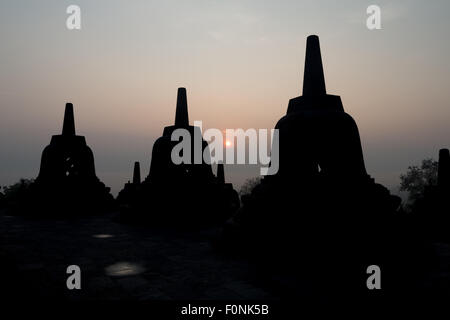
240,62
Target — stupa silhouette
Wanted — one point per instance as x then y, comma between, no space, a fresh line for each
444,170
67,182
316,135
181,193
432,210
162,169
67,157
321,203
131,189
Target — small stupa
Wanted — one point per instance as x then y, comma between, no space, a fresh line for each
186,193
67,181
131,189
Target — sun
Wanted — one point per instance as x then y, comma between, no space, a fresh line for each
228,143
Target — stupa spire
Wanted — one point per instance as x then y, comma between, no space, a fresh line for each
313,77
69,121
220,173
181,115
444,168
137,173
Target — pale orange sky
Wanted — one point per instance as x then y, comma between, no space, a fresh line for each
241,62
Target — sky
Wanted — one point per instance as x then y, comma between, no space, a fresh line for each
240,61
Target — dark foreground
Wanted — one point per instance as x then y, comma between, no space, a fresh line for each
144,263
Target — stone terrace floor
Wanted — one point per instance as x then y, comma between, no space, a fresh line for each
118,261
139,263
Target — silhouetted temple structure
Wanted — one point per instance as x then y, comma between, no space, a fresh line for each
2,197
433,208
321,203
185,192
67,157
67,179
444,170
137,173
229,197
316,135
131,189
162,169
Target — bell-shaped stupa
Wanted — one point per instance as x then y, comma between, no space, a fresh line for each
181,193
67,181
321,199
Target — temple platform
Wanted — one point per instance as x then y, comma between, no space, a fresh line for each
136,263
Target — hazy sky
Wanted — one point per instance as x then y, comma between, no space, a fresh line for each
241,61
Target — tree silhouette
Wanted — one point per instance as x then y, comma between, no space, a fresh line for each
418,178
17,192
249,185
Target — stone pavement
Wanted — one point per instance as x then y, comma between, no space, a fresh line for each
144,263
118,262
